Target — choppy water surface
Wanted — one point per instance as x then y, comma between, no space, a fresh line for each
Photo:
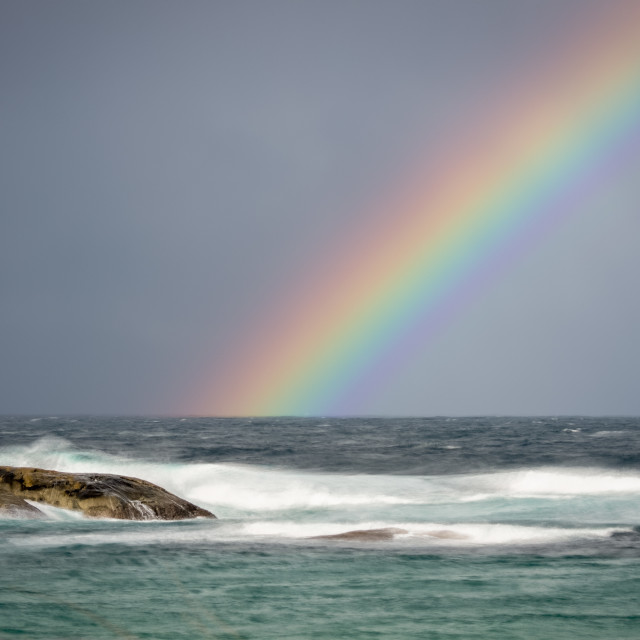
496,528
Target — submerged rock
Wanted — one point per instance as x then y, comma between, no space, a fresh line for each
447,534
388,533
12,506
98,495
630,535
366,535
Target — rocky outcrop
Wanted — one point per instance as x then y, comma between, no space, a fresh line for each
98,495
14,507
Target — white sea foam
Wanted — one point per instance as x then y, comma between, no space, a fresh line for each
605,434
231,490
549,482
225,485
150,534
426,534
429,533
275,505
55,513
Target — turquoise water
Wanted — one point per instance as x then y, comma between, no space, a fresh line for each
115,590
541,549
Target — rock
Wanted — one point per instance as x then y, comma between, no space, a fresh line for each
632,535
366,535
14,507
379,535
98,495
447,534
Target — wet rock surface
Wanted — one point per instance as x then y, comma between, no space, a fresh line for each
96,495
15,507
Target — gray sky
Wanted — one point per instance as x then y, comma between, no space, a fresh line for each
166,166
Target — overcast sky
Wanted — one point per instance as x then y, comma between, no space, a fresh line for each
166,166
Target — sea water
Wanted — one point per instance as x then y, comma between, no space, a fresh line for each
495,528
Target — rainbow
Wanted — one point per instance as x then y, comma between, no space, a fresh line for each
520,167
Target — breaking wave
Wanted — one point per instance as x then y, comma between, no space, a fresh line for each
273,504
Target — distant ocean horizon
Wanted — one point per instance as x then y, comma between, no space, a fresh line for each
494,527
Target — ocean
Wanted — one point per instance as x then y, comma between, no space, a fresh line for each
493,528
